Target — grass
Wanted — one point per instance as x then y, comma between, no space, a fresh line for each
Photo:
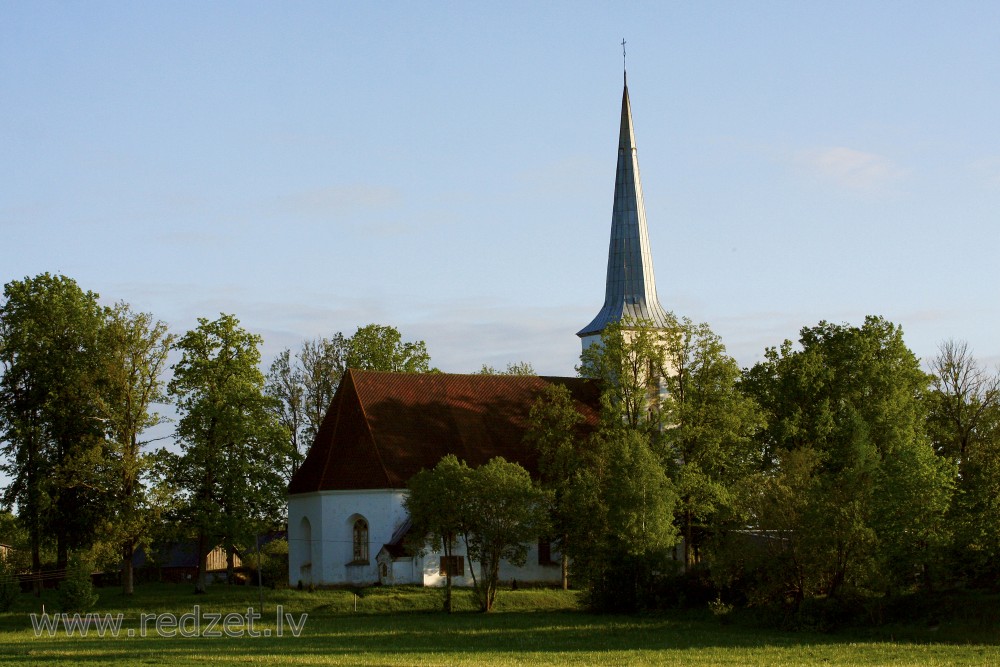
402,626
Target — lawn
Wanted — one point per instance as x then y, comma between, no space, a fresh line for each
399,626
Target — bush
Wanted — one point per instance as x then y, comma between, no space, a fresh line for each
76,592
273,564
10,588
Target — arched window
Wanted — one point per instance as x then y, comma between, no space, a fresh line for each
360,541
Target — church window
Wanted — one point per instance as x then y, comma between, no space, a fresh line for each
453,564
361,541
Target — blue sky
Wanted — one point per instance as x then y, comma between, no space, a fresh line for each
448,168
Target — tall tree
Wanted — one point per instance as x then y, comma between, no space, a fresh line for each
965,425
50,346
631,362
285,384
304,384
877,494
503,511
137,347
565,453
435,507
708,444
233,448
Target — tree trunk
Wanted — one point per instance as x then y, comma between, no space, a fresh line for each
127,571
687,541
201,584
230,565
565,572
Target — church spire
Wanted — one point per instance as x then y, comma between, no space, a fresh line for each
631,288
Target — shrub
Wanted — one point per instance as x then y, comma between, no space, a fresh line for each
10,588
76,592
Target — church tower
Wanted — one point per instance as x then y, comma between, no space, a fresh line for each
631,289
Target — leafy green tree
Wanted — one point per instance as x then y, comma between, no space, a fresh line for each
137,346
304,384
50,427
631,362
377,347
233,448
504,510
635,524
624,541
875,494
513,368
10,589
496,509
76,591
708,442
965,426
565,455
435,505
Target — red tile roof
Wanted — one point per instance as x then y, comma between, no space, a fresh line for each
383,428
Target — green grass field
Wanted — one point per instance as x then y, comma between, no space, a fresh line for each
403,627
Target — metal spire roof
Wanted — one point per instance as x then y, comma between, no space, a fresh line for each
631,288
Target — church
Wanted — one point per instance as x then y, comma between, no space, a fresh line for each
346,519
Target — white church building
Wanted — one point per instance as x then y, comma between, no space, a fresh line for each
346,520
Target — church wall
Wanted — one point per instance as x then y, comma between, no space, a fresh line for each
530,572
332,516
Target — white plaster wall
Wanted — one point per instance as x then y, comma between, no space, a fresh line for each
332,515
304,551
530,572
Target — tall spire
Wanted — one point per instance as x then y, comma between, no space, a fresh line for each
631,288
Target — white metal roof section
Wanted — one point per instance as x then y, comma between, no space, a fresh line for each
631,288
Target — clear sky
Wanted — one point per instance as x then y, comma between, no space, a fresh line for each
448,168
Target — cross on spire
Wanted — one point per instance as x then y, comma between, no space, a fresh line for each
624,68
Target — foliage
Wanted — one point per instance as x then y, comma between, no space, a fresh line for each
853,494
52,357
436,507
233,447
630,361
513,368
708,445
137,347
272,562
495,509
565,455
965,426
10,588
76,591
503,510
304,384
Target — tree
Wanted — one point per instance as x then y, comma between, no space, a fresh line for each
495,509
564,454
304,384
631,362
503,511
875,494
965,426
137,347
513,368
708,443
435,507
285,384
377,347
622,543
52,433
233,448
